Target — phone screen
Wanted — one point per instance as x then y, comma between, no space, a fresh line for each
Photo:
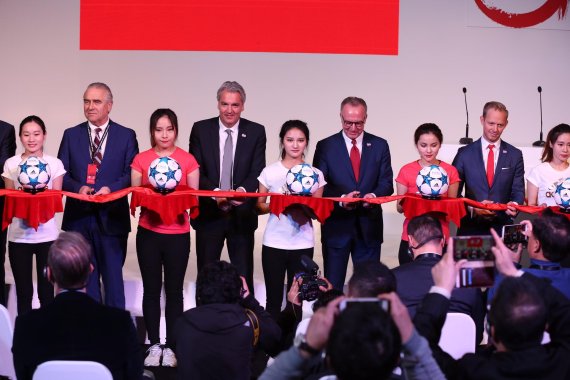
479,274
514,234
473,248
381,303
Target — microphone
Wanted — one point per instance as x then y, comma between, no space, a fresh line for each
466,140
541,141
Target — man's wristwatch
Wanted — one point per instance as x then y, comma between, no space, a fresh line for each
301,343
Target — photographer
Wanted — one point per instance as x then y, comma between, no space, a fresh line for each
548,245
362,342
520,312
217,338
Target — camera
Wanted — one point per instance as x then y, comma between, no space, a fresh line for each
309,289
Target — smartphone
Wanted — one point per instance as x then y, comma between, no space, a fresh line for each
473,248
514,234
476,274
381,303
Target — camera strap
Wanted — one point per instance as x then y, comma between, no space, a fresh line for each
254,323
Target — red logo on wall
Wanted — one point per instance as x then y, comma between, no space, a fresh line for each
524,20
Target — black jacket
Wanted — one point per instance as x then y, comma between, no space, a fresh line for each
215,341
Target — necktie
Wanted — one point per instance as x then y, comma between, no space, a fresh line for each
355,159
97,157
227,162
490,164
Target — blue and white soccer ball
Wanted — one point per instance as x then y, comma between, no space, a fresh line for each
432,181
302,179
562,194
164,174
34,174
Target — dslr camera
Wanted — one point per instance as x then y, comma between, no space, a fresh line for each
309,289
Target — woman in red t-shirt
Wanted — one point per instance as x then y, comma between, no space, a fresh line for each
428,139
160,245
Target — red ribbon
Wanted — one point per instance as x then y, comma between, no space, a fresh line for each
41,207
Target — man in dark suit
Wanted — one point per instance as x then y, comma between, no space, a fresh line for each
97,155
355,164
521,311
73,326
414,278
231,154
7,150
492,171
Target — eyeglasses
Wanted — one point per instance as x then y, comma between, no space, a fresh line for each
357,124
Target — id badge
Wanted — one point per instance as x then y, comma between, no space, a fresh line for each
91,174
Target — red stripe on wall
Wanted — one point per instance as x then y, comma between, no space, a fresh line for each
296,26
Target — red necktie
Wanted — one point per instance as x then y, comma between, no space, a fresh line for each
355,159
490,164
97,157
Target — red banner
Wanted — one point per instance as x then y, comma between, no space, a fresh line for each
292,26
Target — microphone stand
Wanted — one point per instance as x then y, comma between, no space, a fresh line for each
540,142
466,140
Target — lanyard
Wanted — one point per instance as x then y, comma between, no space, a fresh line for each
96,149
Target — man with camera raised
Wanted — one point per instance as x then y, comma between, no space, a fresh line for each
523,308
548,245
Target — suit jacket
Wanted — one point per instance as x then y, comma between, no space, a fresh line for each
7,146
548,361
332,158
414,281
114,172
75,327
508,181
249,161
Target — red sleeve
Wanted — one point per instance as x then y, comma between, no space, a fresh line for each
407,175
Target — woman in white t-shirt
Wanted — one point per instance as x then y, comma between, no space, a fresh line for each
554,167
25,241
290,235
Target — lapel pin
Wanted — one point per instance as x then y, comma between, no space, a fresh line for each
243,135
504,152
368,144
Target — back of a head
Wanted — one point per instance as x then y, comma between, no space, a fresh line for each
553,232
69,261
371,278
425,229
218,282
364,343
518,314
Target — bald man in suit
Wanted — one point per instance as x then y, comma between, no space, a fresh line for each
355,164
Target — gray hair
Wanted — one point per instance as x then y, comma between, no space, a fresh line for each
231,86
355,102
101,85
69,260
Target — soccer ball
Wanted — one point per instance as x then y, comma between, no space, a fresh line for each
34,174
432,181
302,180
164,174
562,194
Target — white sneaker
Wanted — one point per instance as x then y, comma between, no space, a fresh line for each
153,357
168,358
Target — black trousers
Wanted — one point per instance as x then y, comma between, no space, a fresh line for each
156,251
21,257
276,262
210,242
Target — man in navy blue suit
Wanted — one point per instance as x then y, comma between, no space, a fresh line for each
7,150
492,171
355,164
97,155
